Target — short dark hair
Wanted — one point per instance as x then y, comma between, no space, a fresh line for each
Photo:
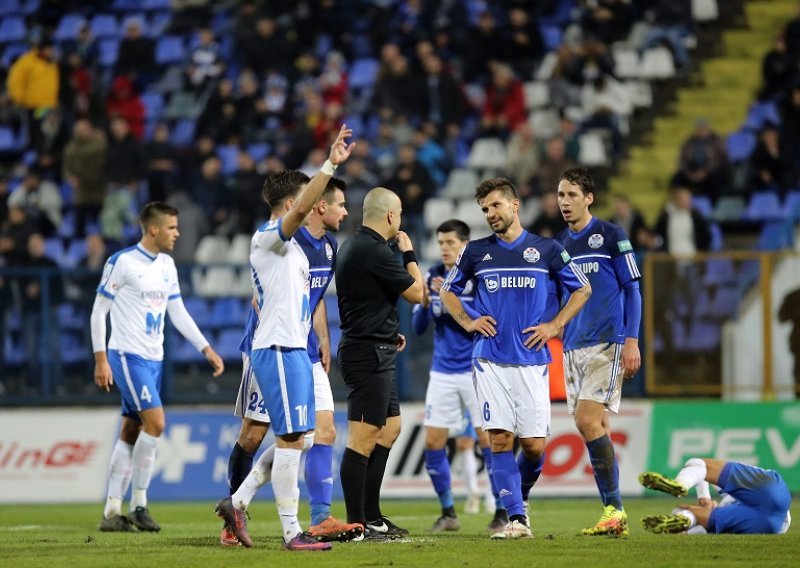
333,185
460,228
489,185
579,177
155,209
280,185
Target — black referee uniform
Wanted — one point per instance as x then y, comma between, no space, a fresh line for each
369,280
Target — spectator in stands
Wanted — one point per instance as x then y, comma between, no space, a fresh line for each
125,161
522,158
251,111
789,312
276,99
41,200
124,102
328,125
84,46
703,165
591,61
212,113
448,22
360,179
431,154
777,70
550,221
48,141
194,226
40,329
384,151
332,82
606,101
671,24
119,213
625,215
486,46
771,164
188,15
568,131
246,184
442,100
683,229
524,45
504,109
78,92
208,190
205,62
395,88
792,33
84,169
162,163
33,79
790,121
14,234
89,268
606,20
553,164
136,57
267,47
564,83
414,185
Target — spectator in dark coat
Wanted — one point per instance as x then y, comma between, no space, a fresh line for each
126,160
136,57
771,164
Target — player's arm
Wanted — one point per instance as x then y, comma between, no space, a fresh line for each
415,293
97,323
628,275
312,192
319,320
187,327
453,285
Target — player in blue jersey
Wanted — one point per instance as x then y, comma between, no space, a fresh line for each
139,286
511,269
601,345
450,391
754,500
279,356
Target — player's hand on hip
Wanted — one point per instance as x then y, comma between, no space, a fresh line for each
631,358
485,325
340,149
404,243
540,335
215,360
401,342
102,376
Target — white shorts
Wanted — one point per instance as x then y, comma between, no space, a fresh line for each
250,404
514,398
447,397
594,373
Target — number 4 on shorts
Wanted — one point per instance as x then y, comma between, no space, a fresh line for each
145,394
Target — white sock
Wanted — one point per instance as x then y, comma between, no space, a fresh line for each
688,514
694,471
119,478
469,466
144,462
285,473
259,476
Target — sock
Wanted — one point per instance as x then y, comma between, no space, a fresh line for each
694,472
506,476
470,470
240,463
143,458
372,487
353,474
285,472
606,470
119,478
319,479
259,475
529,472
689,515
487,459
439,470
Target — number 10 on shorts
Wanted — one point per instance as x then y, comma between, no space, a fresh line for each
302,414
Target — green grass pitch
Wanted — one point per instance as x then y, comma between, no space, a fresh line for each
67,535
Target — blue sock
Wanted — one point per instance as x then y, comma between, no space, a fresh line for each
529,473
439,470
487,460
319,478
606,470
506,475
239,465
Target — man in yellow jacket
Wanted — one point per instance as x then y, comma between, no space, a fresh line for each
33,78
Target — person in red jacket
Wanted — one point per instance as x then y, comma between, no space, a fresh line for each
504,109
123,101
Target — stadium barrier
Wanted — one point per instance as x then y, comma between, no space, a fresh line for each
61,455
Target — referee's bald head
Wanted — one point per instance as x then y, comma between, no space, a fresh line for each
380,201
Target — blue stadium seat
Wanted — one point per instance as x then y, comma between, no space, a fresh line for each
69,317
67,228
760,114
153,104
74,253
776,235
198,309
68,27
183,133
105,25
156,5
719,271
717,238
7,141
740,145
229,312
791,205
725,302
158,24
31,7
703,337
227,344
54,249
73,350
12,28
10,7
109,52
12,52
763,206
703,205
258,151
552,36
561,16
14,320
228,154
126,5
363,73
14,350
170,49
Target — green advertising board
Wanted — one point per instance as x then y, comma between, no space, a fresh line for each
762,434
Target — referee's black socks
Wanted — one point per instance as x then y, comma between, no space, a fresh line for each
353,475
375,470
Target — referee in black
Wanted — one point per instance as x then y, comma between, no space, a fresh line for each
369,280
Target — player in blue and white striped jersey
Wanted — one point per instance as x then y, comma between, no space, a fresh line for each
601,345
512,269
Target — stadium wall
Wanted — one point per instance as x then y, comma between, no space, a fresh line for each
61,455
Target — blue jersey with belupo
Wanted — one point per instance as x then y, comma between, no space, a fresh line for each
321,255
452,345
604,254
512,287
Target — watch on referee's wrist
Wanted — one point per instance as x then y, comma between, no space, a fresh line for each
409,257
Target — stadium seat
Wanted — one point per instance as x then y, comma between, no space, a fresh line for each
74,253
228,312
436,211
126,5
109,52
763,206
181,351
10,7
156,5
54,249
239,251
430,250
545,123
228,155
791,205
68,317
719,271
469,212
68,27
724,303
363,73
170,49
14,352
656,64
717,238
72,348
227,344
487,153
593,150
7,141
729,208
776,235
740,145
183,133
626,64
760,114
104,26
641,93
214,282
551,36
12,52
182,105
66,229
537,94
12,28
703,337
703,205
199,310
461,182
159,24
153,104
529,210
258,151
211,249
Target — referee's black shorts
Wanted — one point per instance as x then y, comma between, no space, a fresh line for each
368,368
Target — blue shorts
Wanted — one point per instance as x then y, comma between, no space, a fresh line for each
762,500
138,380
470,429
286,380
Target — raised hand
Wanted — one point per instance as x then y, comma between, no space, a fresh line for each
340,149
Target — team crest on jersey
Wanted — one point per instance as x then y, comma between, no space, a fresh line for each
492,282
596,241
436,305
531,254
329,251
